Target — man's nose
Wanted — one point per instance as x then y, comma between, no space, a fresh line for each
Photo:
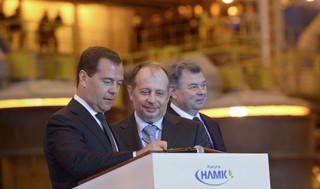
114,88
201,89
151,98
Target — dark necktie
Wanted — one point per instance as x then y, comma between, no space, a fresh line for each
149,132
207,133
107,130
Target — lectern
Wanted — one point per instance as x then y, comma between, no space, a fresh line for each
187,171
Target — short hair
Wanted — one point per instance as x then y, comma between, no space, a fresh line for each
89,59
177,68
152,65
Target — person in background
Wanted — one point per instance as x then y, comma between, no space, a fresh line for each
78,141
16,28
188,96
57,23
44,33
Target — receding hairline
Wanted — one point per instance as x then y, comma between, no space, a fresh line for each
152,71
153,67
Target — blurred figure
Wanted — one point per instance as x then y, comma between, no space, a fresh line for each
16,28
57,23
138,28
155,34
4,45
4,71
168,29
4,49
188,96
2,17
194,29
44,33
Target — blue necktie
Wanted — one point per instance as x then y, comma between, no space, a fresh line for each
149,133
207,133
107,130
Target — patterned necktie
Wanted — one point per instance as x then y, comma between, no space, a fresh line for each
207,133
149,132
105,125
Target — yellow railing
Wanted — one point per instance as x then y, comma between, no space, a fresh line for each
245,64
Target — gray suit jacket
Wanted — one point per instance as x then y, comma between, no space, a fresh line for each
178,132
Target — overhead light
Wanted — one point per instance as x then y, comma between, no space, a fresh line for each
232,11
215,9
227,1
198,10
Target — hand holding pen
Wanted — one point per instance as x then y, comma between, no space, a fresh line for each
153,146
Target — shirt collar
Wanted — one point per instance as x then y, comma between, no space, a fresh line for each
86,105
183,113
142,124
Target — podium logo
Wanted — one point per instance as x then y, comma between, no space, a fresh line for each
213,175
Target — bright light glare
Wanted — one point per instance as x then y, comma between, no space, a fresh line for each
238,111
198,10
227,1
241,111
309,0
37,102
33,102
215,9
232,11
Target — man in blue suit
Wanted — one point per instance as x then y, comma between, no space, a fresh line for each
188,96
78,140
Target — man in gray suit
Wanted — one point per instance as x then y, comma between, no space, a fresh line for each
188,96
149,92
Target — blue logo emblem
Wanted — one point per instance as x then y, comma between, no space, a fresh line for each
213,175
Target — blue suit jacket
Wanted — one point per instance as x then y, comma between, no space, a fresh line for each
76,147
213,128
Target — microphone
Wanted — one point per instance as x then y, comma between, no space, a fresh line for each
199,148
195,149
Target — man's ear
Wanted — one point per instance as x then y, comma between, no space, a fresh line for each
130,91
172,92
83,78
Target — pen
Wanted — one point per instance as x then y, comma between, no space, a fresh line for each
146,140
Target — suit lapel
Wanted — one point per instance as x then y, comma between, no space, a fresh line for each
86,118
210,128
170,130
129,134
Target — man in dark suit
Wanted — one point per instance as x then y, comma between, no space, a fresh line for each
78,140
188,96
149,92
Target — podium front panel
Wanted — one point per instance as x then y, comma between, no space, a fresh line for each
188,171
223,171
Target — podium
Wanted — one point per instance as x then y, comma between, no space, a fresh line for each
187,171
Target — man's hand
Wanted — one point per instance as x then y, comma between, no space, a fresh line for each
153,146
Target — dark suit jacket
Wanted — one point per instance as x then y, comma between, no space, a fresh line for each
213,128
178,132
76,147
